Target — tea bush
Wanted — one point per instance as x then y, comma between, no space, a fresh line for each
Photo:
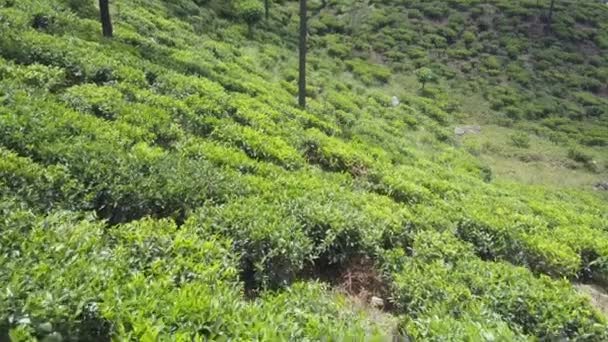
43,188
423,283
147,264
520,140
369,73
164,184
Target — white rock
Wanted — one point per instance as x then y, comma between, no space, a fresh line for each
376,302
395,101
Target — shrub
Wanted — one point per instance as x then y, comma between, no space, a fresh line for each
271,243
401,189
579,155
260,146
180,286
334,155
337,45
250,11
330,23
483,292
469,37
83,8
96,296
492,63
368,72
101,101
183,128
308,310
41,187
34,76
520,140
435,10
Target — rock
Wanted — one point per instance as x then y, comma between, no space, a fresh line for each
53,337
46,327
24,321
602,186
376,302
395,101
462,130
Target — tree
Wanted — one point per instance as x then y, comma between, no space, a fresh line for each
266,9
302,77
425,75
550,16
106,20
250,11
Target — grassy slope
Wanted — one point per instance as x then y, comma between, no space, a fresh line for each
498,63
182,136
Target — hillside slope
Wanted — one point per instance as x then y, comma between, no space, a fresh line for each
164,185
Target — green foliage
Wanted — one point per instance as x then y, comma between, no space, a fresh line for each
78,299
40,187
469,37
425,75
250,11
336,46
579,156
444,280
163,185
521,140
181,286
368,72
258,145
334,155
584,158
103,102
83,8
271,244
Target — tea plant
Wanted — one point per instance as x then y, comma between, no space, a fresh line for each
164,184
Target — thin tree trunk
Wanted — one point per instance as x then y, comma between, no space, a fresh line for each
267,8
550,16
106,21
302,79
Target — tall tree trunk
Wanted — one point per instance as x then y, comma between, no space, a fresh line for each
106,21
266,8
302,79
550,16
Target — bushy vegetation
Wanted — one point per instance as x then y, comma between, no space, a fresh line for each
164,184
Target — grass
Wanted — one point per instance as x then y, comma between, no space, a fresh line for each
543,162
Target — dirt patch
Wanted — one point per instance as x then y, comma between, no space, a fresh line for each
357,278
367,291
536,27
360,279
463,130
599,296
